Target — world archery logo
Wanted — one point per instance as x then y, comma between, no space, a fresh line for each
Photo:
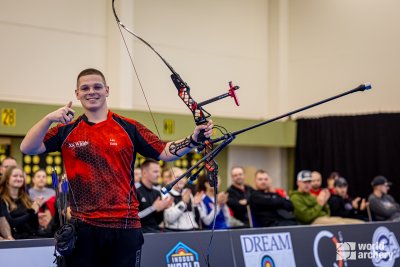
267,261
182,255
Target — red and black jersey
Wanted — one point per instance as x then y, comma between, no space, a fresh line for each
99,161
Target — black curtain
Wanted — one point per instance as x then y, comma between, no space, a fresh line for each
358,147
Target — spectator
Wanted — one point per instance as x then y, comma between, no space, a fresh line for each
316,182
268,207
207,205
6,163
382,205
151,206
239,194
166,176
309,209
5,230
19,210
331,181
181,215
343,206
39,188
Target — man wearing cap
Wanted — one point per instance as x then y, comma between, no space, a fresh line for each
309,209
382,205
341,205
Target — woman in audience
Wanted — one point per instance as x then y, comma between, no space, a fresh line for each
207,205
20,211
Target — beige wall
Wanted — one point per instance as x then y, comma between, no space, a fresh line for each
209,43
335,45
283,53
45,43
272,160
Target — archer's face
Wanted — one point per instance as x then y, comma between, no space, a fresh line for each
92,92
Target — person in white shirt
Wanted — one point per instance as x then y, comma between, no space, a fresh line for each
181,215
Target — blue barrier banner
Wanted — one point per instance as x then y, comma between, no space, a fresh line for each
369,244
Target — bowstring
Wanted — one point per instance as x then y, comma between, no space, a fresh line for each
141,87
139,81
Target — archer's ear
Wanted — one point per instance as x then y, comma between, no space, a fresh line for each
76,94
108,90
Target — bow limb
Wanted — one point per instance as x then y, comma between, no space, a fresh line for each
199,114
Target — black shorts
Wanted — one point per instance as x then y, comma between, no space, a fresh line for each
106,247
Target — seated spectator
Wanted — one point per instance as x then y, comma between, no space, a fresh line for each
343,206
166,176
382,205
19,210
207,207
239,194
39,190
181,215
316,182
331,181
6,163
268,207
151,206
5,230
309,209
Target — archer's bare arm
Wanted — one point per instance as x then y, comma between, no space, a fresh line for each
33,141
166,155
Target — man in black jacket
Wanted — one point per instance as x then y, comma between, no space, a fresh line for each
383,206
341,205
267,206
151,206
239,194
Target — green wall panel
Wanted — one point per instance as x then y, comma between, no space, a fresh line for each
276,134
